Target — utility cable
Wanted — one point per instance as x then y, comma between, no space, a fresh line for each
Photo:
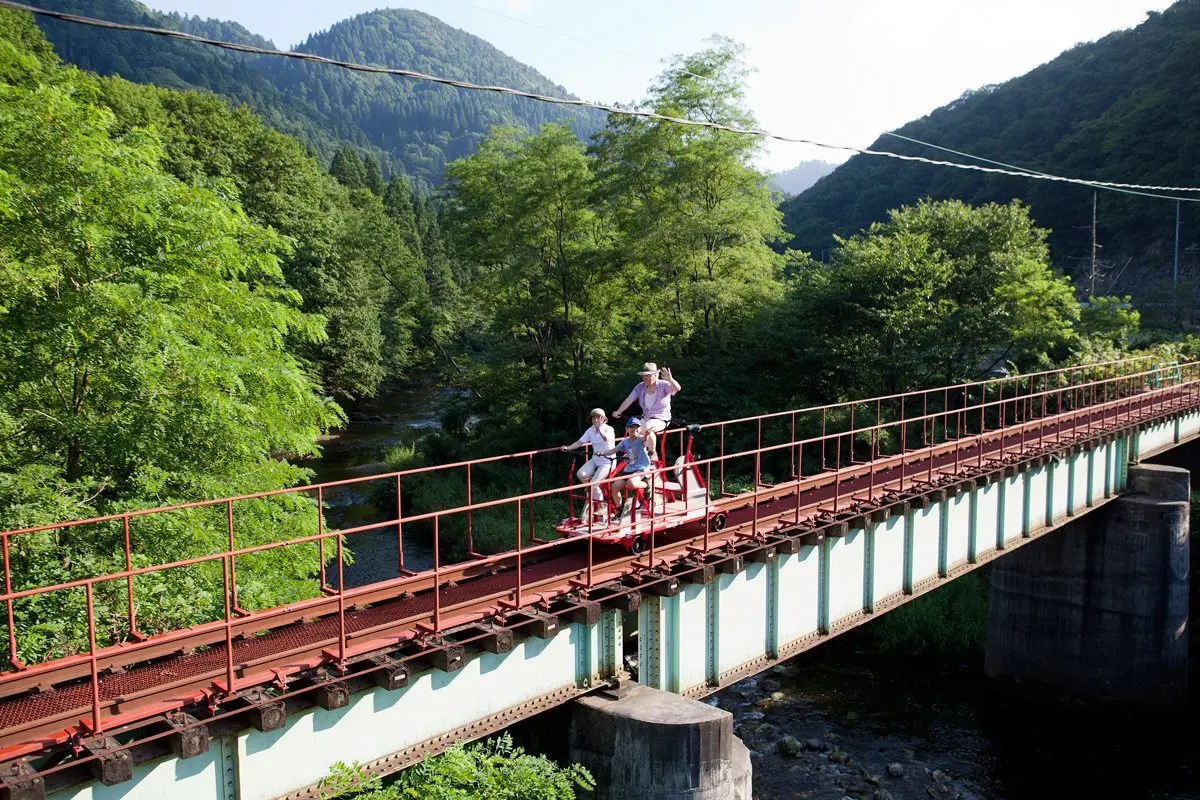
725,84
1022,169
566,101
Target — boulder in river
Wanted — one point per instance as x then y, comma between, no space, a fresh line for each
896,769
790,746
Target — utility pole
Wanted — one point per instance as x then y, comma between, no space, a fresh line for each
1176,277
1092,273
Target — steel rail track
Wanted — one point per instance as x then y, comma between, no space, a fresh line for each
301,638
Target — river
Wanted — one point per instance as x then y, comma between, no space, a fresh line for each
394,417
861,725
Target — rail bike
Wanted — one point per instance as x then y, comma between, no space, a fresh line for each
675,497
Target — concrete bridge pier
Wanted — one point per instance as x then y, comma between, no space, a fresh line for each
644,744
1100,610
648,744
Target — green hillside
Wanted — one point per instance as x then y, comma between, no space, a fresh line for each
413,127
1118,109
421,125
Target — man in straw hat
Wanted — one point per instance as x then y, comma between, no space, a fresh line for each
602,438
653,394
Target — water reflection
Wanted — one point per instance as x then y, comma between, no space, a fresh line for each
391,419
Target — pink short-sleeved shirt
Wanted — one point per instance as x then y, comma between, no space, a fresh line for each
655,402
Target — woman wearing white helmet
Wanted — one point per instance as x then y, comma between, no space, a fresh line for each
601,437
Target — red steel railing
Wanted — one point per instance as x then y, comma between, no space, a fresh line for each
861,451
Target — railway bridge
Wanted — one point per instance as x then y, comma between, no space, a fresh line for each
809,522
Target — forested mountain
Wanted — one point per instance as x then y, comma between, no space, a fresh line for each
795,180
408,126
1119,109
421,125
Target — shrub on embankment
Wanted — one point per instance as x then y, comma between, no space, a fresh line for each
490,770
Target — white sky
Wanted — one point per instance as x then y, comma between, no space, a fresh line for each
840,71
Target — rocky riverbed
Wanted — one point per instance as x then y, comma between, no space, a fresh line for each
835,724
800,750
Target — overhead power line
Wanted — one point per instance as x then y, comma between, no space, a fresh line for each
567,101
1110,187
725,84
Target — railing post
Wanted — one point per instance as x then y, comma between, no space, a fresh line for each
321,538
590,535
532,528
879,426
707,501
97,724
721,488
470,538
851,435
400,525
871,467
823,415
228,586
341,572
133,631
12,626
799,477
518,534
232,559
792,449
437,571
837,476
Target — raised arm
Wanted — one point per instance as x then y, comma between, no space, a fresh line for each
666,375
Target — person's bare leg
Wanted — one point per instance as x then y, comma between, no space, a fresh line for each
615,492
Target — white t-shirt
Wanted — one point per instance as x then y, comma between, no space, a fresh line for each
603,439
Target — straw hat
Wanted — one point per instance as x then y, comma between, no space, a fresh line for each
649,368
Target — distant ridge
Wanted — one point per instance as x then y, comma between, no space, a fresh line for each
797,179
416,128
1121,108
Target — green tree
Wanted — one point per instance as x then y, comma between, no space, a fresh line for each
371,297
689,204
372,174
143,359
1112,320
942,292
491,770
398,202
349,169
519,212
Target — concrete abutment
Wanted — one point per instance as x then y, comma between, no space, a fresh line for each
1100,610
643,743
